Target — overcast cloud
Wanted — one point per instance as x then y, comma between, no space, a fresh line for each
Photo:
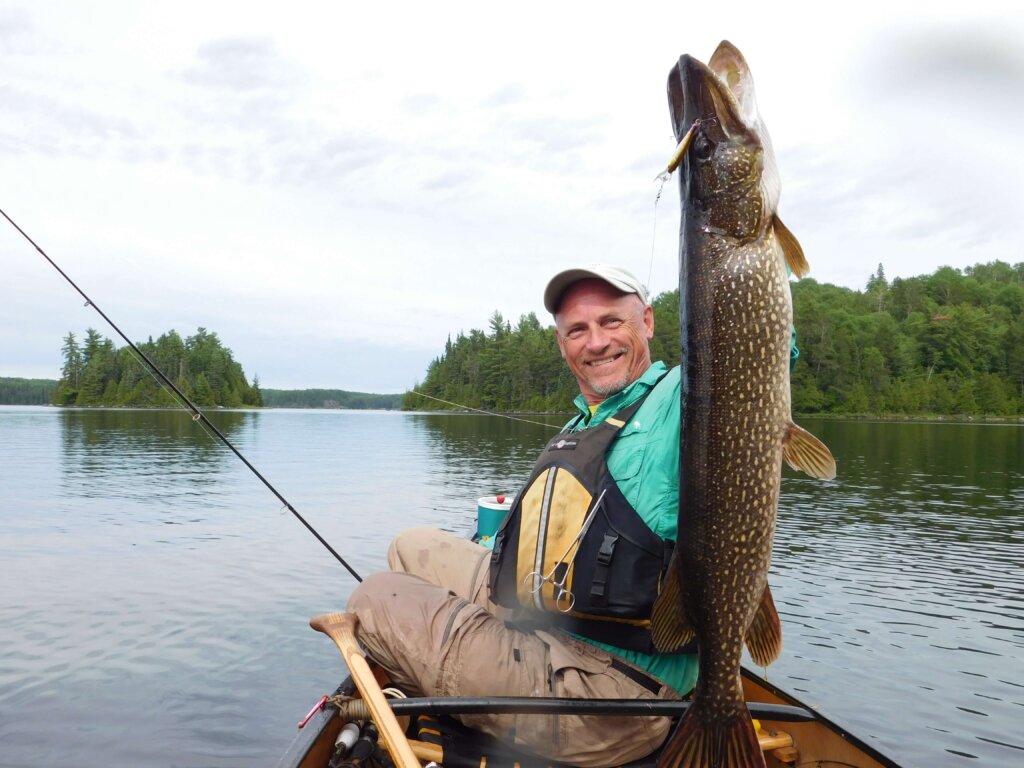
335,189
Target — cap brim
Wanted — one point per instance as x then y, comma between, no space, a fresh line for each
561,282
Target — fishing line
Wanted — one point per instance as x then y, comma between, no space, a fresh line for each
663,177
480,410
199,416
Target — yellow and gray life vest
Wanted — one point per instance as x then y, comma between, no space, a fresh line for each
574,550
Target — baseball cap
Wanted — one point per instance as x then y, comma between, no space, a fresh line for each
617,278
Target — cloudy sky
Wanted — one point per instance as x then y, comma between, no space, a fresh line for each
334,188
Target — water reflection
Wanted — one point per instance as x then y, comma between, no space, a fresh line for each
144,454
898,584
902,578
966,465
484,454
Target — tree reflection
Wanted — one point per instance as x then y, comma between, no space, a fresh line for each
106,451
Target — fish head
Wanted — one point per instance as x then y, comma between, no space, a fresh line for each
728,172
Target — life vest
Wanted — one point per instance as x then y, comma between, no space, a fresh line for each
573,549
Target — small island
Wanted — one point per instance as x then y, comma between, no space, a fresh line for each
97,374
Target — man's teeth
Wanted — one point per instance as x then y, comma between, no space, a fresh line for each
605,361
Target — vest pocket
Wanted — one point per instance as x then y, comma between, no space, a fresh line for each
618,569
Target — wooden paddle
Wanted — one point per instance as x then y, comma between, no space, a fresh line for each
341,628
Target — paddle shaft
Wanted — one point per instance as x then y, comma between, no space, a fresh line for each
341,628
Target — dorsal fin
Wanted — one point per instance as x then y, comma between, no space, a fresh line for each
728,63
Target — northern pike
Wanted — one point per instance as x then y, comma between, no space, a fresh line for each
736,426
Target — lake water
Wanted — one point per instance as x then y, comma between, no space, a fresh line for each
155,596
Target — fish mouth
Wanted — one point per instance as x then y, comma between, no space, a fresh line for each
697,95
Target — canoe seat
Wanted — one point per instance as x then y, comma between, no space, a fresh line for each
778,747
772,739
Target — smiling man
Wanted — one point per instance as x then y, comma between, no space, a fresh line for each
603,324
561,606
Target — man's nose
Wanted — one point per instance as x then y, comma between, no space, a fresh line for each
597,339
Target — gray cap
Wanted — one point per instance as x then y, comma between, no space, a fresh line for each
617,278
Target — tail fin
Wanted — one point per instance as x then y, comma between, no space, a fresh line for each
699,744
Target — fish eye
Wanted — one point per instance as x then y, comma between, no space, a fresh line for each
703,148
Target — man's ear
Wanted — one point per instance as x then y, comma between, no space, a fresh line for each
558,339
649,321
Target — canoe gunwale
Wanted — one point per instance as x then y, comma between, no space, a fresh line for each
316,730
831,725
316,739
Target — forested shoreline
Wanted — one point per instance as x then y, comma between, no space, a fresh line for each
942,345
96,373
329,398
946,344
19,391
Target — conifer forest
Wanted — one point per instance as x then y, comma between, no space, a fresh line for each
949,343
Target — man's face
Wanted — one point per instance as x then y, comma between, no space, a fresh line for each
603,335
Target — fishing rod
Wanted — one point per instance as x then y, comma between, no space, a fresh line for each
198,415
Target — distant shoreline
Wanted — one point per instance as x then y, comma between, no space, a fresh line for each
396,398
22,391
953,418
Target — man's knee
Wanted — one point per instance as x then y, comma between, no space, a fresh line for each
393,626
441,558
409,551
370,600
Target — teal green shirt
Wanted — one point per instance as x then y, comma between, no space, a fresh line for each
644,461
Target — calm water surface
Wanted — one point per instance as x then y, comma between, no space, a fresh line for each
155,596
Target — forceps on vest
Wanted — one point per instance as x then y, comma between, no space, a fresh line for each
559,573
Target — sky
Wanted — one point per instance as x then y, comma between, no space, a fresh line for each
335,188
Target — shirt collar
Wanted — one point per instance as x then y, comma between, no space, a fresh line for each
623,399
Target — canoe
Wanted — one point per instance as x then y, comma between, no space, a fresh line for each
791,733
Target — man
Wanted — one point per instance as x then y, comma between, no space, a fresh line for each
452,618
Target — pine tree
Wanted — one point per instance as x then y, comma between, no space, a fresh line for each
878,288
71,372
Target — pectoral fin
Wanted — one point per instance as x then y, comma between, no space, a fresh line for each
670,629
791,249
805,452
764,636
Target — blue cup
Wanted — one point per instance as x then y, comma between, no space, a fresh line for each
491,512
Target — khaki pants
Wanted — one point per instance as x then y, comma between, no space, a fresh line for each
430,624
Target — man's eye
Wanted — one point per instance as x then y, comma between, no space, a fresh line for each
614,323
